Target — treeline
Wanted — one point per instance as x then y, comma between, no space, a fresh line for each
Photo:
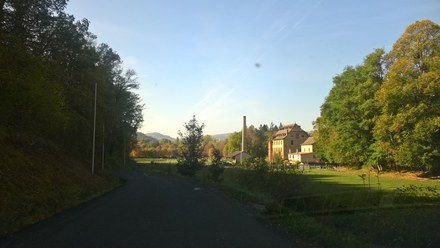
386,111
152,148
256,144
149,147
256,140
49,65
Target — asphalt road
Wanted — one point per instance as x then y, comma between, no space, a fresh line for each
154,211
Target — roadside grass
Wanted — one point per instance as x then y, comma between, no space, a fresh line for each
155,160
35,185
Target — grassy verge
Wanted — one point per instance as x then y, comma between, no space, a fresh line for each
156,160
338,208
36,185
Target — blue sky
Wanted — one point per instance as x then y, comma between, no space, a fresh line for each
198,57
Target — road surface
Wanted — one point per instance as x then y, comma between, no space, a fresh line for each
154,211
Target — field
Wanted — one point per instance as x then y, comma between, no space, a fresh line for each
338,208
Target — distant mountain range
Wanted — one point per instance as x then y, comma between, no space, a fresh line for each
221,136
155,135
159,136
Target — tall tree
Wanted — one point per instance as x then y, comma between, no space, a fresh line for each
344,129
256,141
191,148
30,22
49,64
408,129
30,103
234,143
31,100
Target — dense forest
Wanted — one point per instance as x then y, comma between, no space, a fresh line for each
50,64
386,111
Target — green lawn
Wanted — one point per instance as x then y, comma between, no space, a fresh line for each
403,212
388,181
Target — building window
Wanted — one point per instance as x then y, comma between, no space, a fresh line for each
291,142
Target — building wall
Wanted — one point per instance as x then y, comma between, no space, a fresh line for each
291,143
278,147
307,148
270,150
294,157
287,140
302,158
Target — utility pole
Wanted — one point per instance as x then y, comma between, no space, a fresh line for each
243,137
125,149
103,146
94,132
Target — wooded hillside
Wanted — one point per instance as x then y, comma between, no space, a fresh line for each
49,66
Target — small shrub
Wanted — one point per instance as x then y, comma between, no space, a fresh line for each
254,175
216,169
188,169
215,172
211,173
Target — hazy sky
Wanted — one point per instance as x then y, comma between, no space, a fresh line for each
198,57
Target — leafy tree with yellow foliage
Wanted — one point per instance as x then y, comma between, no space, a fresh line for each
408,128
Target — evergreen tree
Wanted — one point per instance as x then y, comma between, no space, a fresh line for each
191,148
